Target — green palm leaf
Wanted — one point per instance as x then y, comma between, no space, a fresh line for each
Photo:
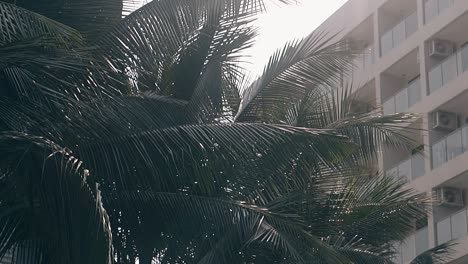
47,204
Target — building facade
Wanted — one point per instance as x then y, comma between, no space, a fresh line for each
414,59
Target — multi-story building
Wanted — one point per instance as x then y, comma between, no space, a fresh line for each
415,59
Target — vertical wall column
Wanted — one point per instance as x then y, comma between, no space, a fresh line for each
378,94
420,11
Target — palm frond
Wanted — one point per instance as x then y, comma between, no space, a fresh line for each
300,66
53,200
202,154
440,254
36,53
340,110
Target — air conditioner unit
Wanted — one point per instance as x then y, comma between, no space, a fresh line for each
440,49
450,197
445,120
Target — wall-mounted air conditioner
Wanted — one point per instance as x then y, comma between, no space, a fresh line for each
445,120
440,49
450,197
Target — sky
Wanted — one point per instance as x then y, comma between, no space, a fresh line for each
282,23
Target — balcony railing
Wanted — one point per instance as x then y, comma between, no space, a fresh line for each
412,246
363,61
399,33
404,99
448,70
433,8
452,227
409,169
450,147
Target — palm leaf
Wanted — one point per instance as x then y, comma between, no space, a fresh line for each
291,72
59,198
437,255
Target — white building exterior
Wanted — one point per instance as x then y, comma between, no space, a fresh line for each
414,59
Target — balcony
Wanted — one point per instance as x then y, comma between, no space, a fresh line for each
363,62
399,33
412,246
409,169
448,70
453,145
404,99
433,8
452,227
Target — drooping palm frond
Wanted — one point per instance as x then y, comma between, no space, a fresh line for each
437,255
45,198
18,23
36,53
293,71
341,110
357,222
151,39
176,156
90,17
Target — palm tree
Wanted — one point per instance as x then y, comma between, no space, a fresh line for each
135,134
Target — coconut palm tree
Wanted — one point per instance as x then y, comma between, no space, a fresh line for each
134,133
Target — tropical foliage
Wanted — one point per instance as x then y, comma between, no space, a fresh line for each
136,134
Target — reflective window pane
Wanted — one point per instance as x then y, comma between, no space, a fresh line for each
444,233
435,78
439,153
411,24
464,58
368,57
422,240
404,170
386,42
459,225
417,166
449,69
401,101
454,144
389,106
414,92
430,9
465,138
444,4
399,34
408,249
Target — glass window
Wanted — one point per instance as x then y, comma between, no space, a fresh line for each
422,240
411,24
389,106
449,69
386,42
430,9
465,138
408,249
417,166
368,57
439,153
444,233
404,170
464,58
443,4
435,78
401,101
459,225
399,33
454,144
414,92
